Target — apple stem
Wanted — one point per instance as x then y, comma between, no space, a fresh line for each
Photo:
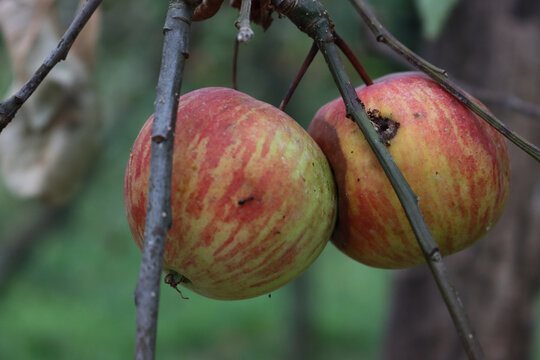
235,64
158,217
10,106
441,77
352,58
305,65
309,59
312,18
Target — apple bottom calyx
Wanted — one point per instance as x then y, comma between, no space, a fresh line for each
174,279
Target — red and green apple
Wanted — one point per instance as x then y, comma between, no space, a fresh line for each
455,163
253,197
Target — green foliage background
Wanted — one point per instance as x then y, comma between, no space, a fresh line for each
73,297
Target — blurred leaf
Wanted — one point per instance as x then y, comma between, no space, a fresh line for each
434,14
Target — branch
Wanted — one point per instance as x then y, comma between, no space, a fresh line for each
441,77
505,101
311,17
158,219
245,33
9,107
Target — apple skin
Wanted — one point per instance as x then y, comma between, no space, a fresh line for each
455,163
253,197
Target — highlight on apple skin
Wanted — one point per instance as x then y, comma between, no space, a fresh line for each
455,163
253,197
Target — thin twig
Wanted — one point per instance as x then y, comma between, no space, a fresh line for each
505,101
441,77
342,45
245,33
158,218
305,65
235,64
9,107
311,17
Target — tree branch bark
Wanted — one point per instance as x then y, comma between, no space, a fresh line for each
158,219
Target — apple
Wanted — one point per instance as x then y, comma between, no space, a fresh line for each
455,163
253,197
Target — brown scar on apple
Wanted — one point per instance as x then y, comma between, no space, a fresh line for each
385,127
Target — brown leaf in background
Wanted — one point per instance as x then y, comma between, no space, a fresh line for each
261,12
206,10
46,150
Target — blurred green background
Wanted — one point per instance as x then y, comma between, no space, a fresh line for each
72,298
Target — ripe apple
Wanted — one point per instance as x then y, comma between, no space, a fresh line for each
253,197
455,163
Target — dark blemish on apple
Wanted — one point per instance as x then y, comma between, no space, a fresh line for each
385,127
243,201
269,295
277,233
418,115
357,179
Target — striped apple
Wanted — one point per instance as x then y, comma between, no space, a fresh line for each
456,164
253,197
